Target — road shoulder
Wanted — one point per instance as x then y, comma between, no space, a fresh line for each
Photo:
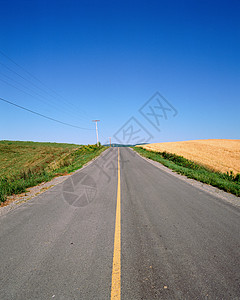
15,200
220,194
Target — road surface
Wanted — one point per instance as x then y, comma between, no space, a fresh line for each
121,227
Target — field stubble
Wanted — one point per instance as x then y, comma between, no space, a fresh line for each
216,154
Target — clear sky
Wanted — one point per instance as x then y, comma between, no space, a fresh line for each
105,59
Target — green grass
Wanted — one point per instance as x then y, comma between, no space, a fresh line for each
26,164
224,181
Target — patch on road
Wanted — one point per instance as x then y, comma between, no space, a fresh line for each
79,190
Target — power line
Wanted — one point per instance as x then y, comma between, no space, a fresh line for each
27,80
34,77
39,97
9,69
41,115
17,88
29,94
24,86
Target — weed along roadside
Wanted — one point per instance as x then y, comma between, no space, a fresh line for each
224,181
27,164
220,155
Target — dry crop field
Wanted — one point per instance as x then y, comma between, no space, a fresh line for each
217,154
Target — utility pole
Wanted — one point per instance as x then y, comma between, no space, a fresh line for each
110,141
96,130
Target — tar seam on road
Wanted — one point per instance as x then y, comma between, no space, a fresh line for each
116,267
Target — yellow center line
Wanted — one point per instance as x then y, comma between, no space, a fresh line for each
116,267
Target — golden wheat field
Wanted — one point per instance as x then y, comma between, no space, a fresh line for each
219,155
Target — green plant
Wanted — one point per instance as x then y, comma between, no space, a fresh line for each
25,164
225,181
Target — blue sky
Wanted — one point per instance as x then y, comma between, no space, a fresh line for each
105,59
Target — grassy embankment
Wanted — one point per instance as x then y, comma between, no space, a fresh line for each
26,164
222,155
225,181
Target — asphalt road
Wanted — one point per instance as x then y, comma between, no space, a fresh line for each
177,241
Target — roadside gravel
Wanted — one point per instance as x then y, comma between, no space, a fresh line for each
230,198
15,200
